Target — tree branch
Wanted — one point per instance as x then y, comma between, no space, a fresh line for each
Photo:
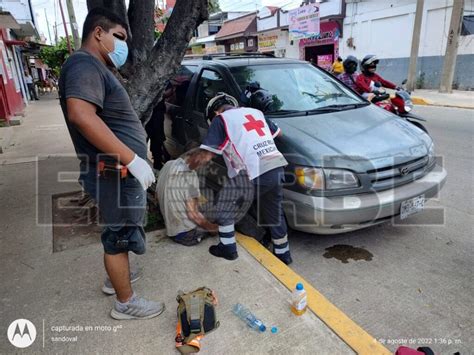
146,86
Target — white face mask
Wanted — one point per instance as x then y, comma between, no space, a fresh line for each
119,55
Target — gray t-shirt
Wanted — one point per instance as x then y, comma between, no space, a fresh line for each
85,77
176,185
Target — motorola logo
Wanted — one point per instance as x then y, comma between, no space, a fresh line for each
21,333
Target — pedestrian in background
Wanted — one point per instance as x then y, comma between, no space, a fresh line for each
31,87
337,67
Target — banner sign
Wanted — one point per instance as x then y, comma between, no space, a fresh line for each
304,22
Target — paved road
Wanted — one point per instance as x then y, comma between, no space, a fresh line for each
418,283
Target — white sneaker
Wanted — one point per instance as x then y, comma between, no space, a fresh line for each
137,308
109,290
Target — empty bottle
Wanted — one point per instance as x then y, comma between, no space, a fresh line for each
298,301
249,318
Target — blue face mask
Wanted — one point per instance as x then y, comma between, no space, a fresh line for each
120,53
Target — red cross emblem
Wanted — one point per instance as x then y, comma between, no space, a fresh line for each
254,124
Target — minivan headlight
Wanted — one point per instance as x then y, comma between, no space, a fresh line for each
311,178
340,179
329,179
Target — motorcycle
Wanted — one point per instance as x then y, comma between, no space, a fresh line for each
400,104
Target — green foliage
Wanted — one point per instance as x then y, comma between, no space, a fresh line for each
157,34
420,81
213,6
54,56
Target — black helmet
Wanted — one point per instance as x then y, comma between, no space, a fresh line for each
350,64
261,100
219,100
369,61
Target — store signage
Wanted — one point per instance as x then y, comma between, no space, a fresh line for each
304,21
267,42
325,61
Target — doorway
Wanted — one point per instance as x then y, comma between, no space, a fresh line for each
322,56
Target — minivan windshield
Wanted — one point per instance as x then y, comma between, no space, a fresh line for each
296,87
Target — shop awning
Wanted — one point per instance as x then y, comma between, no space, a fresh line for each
239,27
8,21
206,39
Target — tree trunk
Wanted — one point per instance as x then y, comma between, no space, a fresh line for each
142,22
148,81
149,68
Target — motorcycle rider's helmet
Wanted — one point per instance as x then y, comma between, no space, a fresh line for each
369,64
261,100
350,64
220,99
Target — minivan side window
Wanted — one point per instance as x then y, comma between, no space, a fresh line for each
210,83
177,87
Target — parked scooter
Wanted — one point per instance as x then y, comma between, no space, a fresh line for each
401,104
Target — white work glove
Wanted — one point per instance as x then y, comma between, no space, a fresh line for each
142,171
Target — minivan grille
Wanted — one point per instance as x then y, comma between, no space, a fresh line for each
393,175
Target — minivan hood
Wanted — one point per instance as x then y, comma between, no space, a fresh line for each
345,139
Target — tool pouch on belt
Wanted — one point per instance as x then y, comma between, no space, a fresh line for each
111,170
196,317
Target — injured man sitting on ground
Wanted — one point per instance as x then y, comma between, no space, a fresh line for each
179,197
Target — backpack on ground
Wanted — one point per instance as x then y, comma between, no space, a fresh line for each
196,317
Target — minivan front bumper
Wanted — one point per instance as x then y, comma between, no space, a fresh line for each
332,215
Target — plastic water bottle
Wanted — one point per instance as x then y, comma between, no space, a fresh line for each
249,318
298,301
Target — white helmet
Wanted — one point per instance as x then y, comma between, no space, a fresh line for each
217,101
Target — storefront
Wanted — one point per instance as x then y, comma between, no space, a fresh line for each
11,98
273,42
239,35
324,48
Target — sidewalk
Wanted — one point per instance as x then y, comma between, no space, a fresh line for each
63,289
458,98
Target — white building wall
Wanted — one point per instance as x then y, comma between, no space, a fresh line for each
265,21
385,28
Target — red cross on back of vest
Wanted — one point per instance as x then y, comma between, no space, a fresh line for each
254,125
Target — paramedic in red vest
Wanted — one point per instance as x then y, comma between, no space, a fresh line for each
245,140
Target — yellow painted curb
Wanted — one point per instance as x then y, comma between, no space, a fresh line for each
352,334
420,101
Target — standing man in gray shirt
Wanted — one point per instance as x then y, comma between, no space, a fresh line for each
110,143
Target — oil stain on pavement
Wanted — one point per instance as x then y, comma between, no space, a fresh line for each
344,252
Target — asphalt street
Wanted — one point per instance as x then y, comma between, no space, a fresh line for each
408,284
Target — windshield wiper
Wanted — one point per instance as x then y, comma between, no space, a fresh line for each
339,107
284,112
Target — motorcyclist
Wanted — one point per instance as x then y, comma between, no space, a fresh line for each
350,74
369,81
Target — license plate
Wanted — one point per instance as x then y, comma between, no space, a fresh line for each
412,206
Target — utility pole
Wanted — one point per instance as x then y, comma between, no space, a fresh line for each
47,24
74,27
65,28
452,47
415,45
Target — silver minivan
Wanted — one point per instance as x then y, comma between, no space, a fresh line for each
351,164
